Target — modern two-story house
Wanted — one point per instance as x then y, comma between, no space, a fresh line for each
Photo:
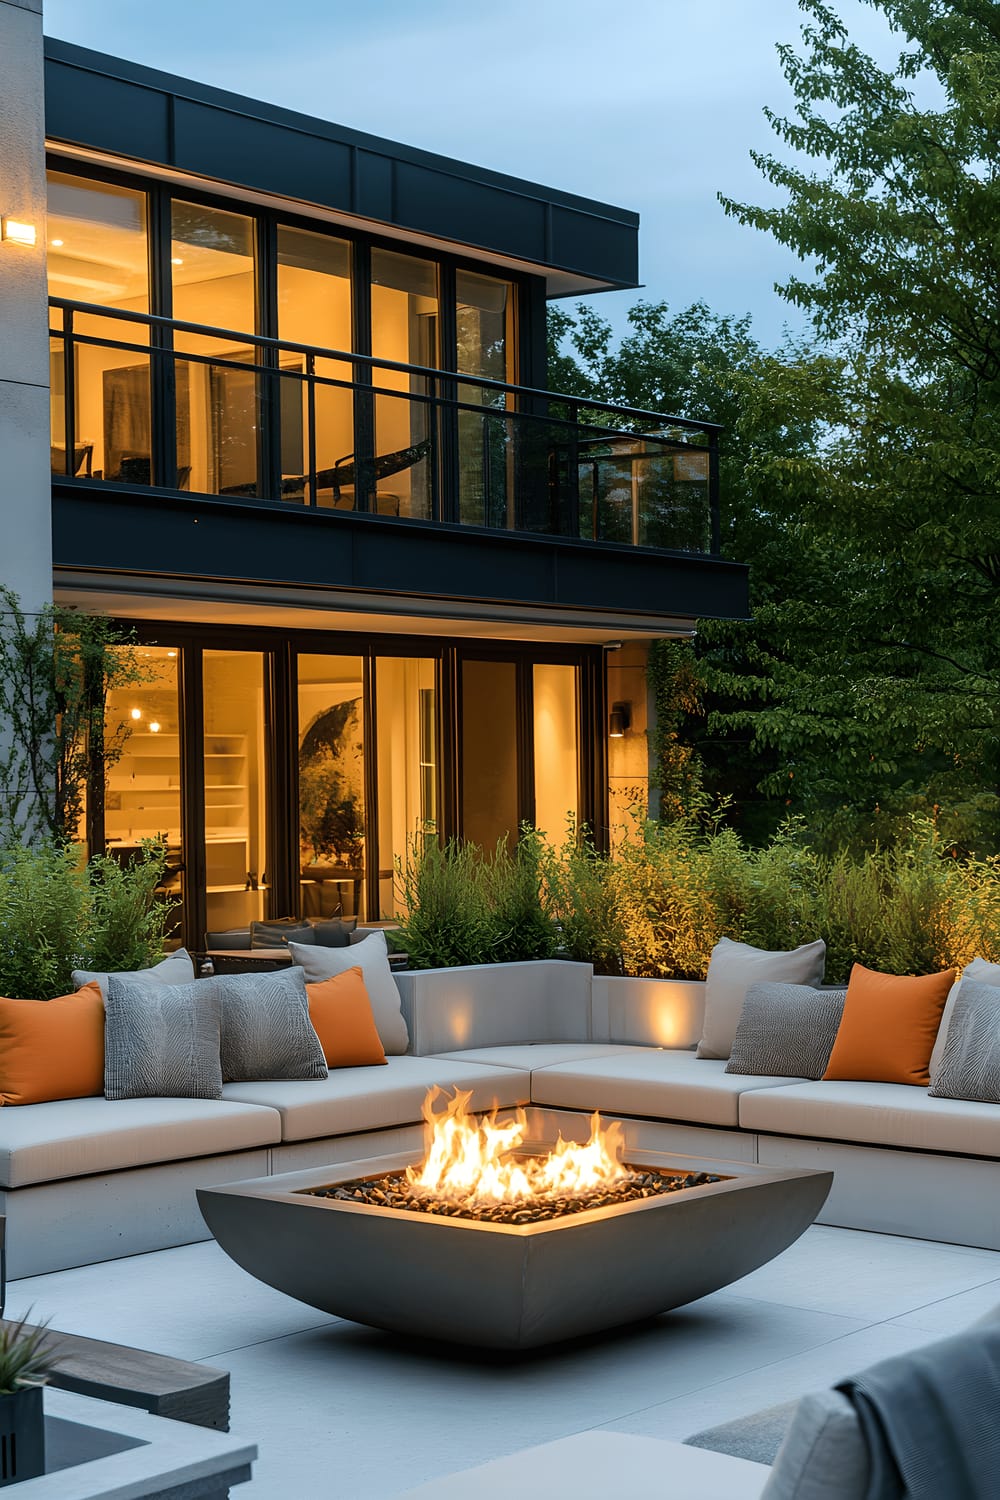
298,436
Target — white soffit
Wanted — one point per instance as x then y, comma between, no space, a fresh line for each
281,608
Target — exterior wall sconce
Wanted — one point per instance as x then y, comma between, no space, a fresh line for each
17,231
619,720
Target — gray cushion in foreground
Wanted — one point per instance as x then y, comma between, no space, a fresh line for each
876,1114
756,1437
74,1137
354,1099
824,1455
652,1084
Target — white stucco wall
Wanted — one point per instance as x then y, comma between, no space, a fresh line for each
25,484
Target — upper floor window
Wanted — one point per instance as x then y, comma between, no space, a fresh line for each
98,249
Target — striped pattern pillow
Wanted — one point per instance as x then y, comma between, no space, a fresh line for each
162,1040
786,1031
970,1064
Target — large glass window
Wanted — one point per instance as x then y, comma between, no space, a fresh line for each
234,737
98,252
331,785
557,749
404,295
219,405
314,307
143,795
406,735
485,322
489,767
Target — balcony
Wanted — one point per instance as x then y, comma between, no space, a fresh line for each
477,452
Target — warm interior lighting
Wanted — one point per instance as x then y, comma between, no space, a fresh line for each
18,232
57,244
137,713
176,260
171,653
471,1160
154,728
619,720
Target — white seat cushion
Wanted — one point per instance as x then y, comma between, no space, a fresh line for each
531,1055
354,1099
879,1114
651,1083
75,1137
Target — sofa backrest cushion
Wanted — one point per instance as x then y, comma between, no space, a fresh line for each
341,1013
983,972
371,955
176,968
733,968
888,1027
162,1040
970,1067
824,1455
52,1049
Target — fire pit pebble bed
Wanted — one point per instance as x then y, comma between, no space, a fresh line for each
394,1191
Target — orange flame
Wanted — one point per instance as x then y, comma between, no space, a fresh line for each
470,1159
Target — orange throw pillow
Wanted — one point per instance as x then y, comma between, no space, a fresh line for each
342,1018
889,1026
52,1049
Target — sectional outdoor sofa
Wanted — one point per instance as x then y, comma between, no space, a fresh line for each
90,1179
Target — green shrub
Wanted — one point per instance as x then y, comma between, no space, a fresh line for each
660,903
519,925
127,917
44,917
57,915
446,920
581,890
465,907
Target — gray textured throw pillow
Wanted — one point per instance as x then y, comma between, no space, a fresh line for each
970,1063
161,1040
266,1030
786,1031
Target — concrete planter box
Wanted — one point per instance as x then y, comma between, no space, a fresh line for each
492,1005
648,1012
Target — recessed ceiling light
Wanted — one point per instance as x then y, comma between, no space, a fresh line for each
175,260
57,244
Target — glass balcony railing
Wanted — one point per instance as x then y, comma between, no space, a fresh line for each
153,403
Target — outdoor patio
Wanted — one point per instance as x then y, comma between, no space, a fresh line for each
338,1408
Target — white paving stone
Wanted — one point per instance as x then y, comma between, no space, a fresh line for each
338,1409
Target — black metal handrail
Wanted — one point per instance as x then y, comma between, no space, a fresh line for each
528,469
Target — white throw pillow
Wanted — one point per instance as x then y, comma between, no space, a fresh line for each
372,956
176,968
733,968
982,972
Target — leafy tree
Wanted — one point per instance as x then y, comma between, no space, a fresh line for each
898,215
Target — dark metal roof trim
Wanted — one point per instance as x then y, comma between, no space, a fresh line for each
107,104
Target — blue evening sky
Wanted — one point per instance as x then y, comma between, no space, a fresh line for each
650,104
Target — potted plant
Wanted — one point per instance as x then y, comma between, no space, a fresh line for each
25,1363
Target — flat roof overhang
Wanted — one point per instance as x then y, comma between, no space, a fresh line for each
172,556
106,108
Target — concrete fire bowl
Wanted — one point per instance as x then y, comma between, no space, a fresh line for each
510,1287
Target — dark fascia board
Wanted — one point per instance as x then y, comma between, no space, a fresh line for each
97,528
105,104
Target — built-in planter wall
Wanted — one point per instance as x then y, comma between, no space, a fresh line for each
485,1005
648,1012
